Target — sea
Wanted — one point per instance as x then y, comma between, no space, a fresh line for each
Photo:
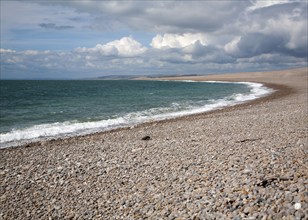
34,110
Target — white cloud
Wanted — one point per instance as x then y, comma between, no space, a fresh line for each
14,60
281,27
31,52
125,47
232,46
259,4
7,50
178,40
290,26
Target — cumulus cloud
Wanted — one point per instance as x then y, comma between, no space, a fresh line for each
258,4
278,28
232,46
115,56
125,47
3,51
178,40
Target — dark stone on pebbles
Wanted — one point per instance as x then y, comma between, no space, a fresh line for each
146,138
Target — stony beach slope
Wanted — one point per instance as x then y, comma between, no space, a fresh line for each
243,162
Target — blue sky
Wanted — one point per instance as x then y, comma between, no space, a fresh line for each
84,39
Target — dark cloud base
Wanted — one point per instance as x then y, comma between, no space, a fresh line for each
54,26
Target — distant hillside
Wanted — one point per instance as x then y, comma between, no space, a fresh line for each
115,77
127,77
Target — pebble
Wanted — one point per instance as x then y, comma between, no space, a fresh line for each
297,205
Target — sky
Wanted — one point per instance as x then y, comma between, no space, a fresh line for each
51,39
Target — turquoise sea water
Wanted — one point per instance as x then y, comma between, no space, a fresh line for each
34,110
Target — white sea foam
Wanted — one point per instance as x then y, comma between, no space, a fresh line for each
54,130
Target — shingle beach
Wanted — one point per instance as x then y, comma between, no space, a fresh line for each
243,162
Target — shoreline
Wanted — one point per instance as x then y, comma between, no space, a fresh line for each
239,162
276,88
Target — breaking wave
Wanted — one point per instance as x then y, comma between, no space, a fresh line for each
73,128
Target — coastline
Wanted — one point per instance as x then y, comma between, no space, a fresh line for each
246,160
257,90
271,88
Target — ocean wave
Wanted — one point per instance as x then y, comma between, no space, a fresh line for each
73,128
